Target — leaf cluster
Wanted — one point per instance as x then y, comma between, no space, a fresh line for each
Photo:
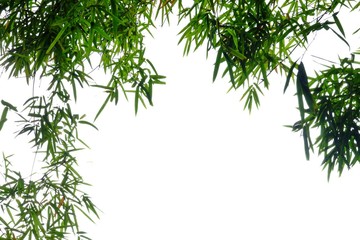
336,92
254,39
56,42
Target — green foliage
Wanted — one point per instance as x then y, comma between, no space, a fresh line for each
336,91
56,41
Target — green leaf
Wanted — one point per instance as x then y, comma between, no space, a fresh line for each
58,36
20,186
10,214
137,97
291,69
338,23
306,141
303,80
115,20
158,77
300,99
343,39
303,90
7,104
217,63
4,222
102,33
102,106
102,86
264,74
229,67
3,117
237,54
88,123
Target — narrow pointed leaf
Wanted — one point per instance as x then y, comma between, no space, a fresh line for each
230,64
9,105
264,74
303,80
88,123
3,117
306,141
58,36
289,75
338,24
300,99
237,54
343,39
102,107
217,64
137,96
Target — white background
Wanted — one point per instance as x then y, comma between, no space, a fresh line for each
196,166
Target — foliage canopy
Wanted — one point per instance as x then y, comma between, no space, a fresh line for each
56,41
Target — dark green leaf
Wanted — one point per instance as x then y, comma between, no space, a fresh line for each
3,117
57,38
7,104
306,141
217,63
290,72
343,39
303,80
230,65
338,24
88,123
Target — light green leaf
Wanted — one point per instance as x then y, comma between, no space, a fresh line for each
237,54
102,106
102,33
57,38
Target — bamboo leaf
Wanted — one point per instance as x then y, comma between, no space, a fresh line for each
291,69
7,104
338,24
217,64
10,214
102,33
306,141
137,97
303,80
58,36
343,39
3,117
230,65
237,54
88,123
104,87
264,74
115,20
102,107
300,98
